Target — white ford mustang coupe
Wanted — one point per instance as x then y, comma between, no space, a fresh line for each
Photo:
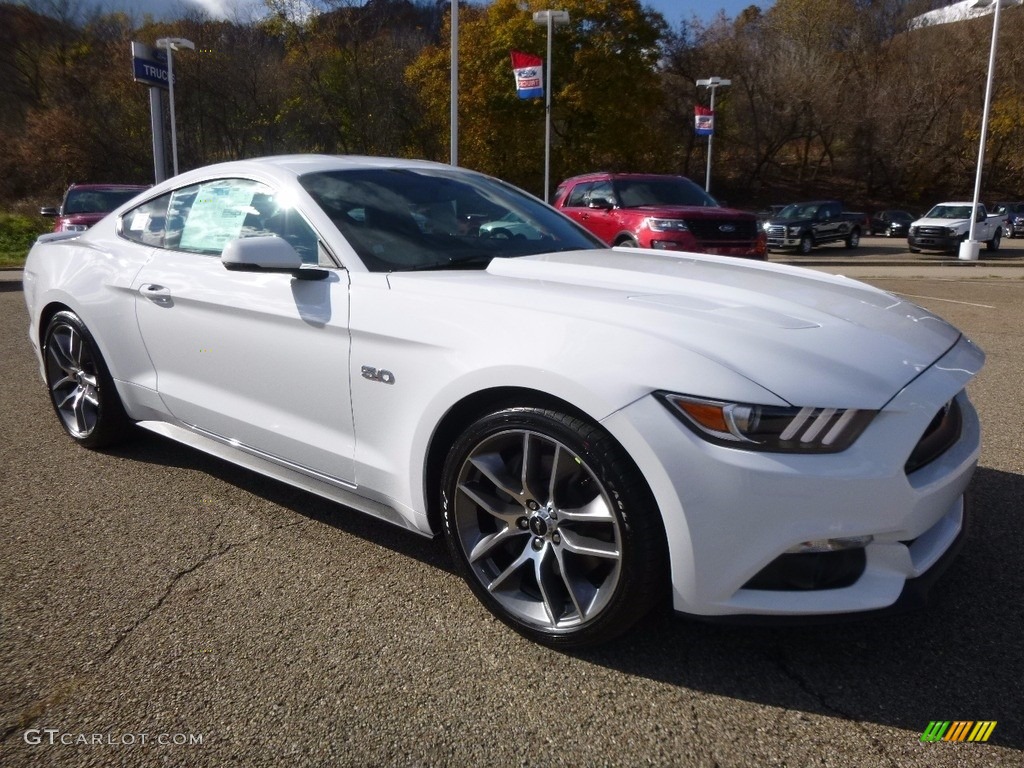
593,430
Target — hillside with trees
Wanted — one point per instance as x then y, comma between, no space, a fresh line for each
840,98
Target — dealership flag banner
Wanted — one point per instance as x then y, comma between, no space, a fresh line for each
529,72
703,121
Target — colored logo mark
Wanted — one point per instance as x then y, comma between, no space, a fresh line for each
958,730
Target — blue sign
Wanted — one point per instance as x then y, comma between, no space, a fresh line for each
149,65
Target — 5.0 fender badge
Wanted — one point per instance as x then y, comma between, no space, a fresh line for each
378,374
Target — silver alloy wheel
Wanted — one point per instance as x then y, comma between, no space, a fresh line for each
538,530
71,371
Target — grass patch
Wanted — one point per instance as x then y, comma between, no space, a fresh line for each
17,233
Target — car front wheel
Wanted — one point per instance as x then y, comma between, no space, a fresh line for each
81,388
553,527
806,244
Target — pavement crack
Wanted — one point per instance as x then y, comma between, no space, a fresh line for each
779,657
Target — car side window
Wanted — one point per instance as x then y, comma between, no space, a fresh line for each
147,224
601,190
579,194
203,218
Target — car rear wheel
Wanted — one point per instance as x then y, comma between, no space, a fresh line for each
553,527
81,389
853,239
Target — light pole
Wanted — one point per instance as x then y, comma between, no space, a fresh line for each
173,44
970,247
453,139
712,83
550,18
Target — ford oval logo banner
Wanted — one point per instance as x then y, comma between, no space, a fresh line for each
727,228
529,74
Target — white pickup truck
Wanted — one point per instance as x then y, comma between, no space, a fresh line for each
947,225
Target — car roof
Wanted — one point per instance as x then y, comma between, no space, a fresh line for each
603,175
290,166
102,187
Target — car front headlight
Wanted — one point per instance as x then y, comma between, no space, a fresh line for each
73,228
768,427
668,225
952,231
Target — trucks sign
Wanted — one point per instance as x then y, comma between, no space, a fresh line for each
149,65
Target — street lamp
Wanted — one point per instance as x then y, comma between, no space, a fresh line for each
712,83
173,44
970,247
453,124
550,18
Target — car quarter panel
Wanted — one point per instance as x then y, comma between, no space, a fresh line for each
92,277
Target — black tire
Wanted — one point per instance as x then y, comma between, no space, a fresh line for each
570,553
853,239
628,242
82,391
806,244
993,244
914,250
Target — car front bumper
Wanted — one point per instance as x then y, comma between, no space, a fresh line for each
934,242
731,513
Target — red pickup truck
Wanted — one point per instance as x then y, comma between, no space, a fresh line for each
657,211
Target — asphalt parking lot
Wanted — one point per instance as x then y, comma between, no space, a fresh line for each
162,607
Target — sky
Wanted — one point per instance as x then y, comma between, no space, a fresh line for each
674,11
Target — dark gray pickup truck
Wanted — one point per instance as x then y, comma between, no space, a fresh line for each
802,226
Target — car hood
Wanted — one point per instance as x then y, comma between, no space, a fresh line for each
941,222
795,332
701,211
88,219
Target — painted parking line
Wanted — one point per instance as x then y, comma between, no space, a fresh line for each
948,301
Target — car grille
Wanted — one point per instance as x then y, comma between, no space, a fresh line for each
719,230
777,231
931,231
942,433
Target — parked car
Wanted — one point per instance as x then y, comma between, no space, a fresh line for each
664,212
947,225
592,430
85,204
891,223
1013,218
804,226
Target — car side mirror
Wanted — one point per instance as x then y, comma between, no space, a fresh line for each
267,253
48,210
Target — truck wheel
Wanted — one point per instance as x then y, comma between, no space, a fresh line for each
993,244
853,239
806,244
914,250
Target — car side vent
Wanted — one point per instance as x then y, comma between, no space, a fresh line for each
942,433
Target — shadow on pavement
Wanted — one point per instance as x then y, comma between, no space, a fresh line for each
961,658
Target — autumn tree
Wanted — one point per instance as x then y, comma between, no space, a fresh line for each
605,89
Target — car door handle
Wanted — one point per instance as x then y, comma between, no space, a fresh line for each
157,293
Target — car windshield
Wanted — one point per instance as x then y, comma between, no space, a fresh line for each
949,212
96,200
633,193
901,216
798,211
402,219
